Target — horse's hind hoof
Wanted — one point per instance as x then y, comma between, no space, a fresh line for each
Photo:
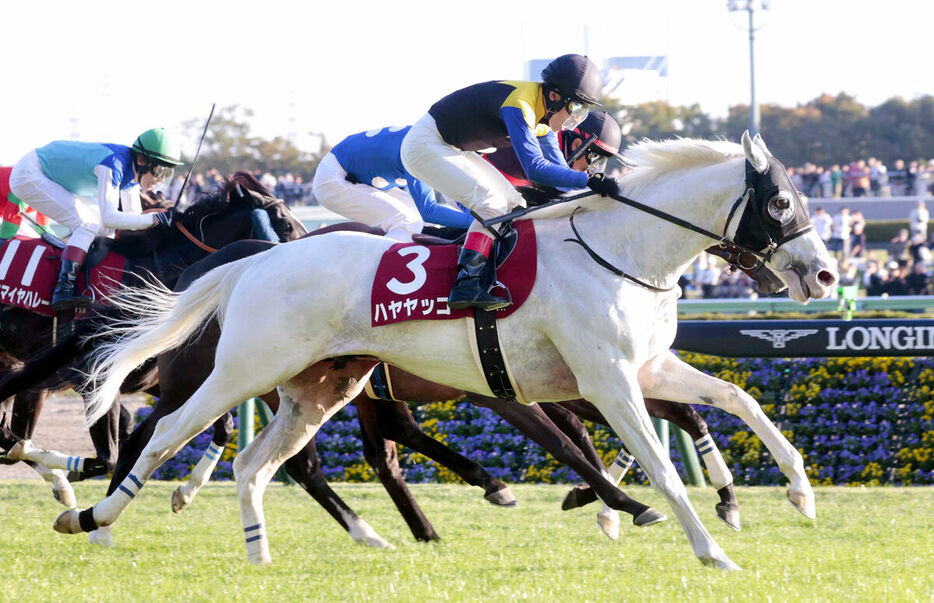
19,450
608,520
501,498
101,537
729,514
648,518
179,501
67,522
578,497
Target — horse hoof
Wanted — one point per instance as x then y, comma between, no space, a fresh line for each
648,518
64,494
720,561
102,537
803,502
264,559
179,501
609,523
502,498
19,450
364,534
578,497
67,522
729,514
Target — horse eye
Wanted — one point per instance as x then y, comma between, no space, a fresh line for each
781,209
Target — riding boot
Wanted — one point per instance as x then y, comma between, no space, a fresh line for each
63,296
473,284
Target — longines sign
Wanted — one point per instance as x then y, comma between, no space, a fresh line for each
807,338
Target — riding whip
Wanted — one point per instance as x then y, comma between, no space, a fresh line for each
197,152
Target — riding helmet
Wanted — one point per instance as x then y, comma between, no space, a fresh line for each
575,77
157,145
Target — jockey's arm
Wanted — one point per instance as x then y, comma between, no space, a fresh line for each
536,166
431,210
108,199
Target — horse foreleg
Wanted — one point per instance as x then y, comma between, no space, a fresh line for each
668,377
383,457
105,435
305,402
688,419
396,423
223,433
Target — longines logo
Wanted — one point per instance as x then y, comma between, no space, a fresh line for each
855,338
778,337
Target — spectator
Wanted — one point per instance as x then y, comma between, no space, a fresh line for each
917,280
859,178
873,278
877,176
840,233
918,250
898,178
825,182
858,240
849,275
918,220
823,224
895,284
706,275
898,246
836,181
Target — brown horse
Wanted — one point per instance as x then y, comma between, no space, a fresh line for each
236,209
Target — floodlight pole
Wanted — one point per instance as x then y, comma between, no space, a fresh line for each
750,7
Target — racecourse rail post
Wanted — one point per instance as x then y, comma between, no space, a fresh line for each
245,431
685,447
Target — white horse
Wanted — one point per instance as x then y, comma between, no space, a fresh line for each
299,316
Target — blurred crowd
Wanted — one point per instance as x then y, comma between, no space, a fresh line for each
865,178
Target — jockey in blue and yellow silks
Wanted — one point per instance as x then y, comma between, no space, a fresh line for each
55,178
362,178
442,149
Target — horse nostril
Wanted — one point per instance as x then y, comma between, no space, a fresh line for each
826,278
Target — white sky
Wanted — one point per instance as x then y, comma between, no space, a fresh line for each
340,67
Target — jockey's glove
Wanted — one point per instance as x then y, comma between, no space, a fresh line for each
165,218
600,183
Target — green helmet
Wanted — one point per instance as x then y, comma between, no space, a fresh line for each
157,145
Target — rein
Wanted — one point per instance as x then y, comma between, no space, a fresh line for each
193,238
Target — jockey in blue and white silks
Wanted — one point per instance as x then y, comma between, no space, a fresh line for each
443,150
363,179
93,189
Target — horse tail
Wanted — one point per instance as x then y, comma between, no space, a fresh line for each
155,320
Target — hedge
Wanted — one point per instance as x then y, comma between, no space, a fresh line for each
855,420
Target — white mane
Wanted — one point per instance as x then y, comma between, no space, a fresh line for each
648,160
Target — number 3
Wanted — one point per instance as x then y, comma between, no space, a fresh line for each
415,267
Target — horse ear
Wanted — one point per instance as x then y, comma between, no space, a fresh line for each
755,154
761,144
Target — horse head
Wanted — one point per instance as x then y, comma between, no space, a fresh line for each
775,226
243,189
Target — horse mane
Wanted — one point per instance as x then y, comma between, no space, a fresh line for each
647,161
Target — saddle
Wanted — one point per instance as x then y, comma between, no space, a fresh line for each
29,269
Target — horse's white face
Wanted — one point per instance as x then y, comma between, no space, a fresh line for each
802,261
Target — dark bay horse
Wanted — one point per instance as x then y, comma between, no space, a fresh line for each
235,209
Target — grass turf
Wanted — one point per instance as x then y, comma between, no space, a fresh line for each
868,544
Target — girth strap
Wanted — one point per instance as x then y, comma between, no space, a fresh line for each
491,356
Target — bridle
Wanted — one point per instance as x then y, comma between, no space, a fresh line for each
204,246
766,204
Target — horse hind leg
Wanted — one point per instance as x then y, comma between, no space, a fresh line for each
184,494
306,402
688,419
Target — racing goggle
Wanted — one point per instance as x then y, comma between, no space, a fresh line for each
577,113
161,172
596,161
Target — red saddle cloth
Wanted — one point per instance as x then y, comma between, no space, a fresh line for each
29,269
413,281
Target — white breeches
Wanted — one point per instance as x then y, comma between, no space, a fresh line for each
392,209
462,176
31,185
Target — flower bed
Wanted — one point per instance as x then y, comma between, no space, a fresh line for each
855,420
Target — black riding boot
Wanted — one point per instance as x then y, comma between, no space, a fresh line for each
474,280
63,296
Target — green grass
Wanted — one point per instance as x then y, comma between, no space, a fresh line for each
867,545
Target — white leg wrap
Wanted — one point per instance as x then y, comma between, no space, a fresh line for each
203,470
720,475
620,466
